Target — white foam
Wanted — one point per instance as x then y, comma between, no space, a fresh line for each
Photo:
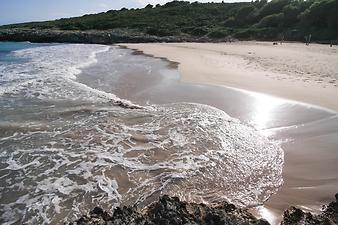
51,74
59,162
173,149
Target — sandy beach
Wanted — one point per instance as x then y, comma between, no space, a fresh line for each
215,143
290,71
294,71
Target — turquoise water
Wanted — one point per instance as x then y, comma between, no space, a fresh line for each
6,48
8,58
12,46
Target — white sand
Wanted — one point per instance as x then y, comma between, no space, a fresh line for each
293,70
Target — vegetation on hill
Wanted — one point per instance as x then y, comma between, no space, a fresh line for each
260,19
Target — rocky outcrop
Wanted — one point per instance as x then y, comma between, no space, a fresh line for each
174,212
88,37
329,216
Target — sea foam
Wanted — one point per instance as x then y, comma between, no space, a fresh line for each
71,148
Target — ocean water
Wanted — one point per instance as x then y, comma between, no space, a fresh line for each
71,139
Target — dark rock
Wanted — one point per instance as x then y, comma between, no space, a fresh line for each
331,211
99,214
97,211
171,211
90,36
295,216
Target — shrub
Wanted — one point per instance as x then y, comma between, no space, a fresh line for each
218,34
161,32
195,31
274,20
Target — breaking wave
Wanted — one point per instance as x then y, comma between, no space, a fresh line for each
66,147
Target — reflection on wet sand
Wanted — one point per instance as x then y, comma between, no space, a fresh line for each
308,135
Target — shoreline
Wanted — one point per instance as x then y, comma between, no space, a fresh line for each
295,176
239,65
132,84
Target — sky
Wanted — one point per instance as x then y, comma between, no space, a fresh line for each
17,11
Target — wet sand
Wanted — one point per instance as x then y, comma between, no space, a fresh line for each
308,73
307,134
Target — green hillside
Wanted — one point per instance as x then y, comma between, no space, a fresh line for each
276,19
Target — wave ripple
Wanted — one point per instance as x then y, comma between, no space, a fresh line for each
59,159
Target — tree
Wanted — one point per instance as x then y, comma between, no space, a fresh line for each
291,13
322,14
246,15
274,20
273,7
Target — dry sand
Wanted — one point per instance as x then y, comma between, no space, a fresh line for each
292,70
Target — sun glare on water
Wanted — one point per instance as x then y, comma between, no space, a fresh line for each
264,110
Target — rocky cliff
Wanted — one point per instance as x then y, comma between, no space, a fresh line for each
88,37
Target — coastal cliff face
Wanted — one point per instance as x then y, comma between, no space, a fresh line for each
88,37
172,211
